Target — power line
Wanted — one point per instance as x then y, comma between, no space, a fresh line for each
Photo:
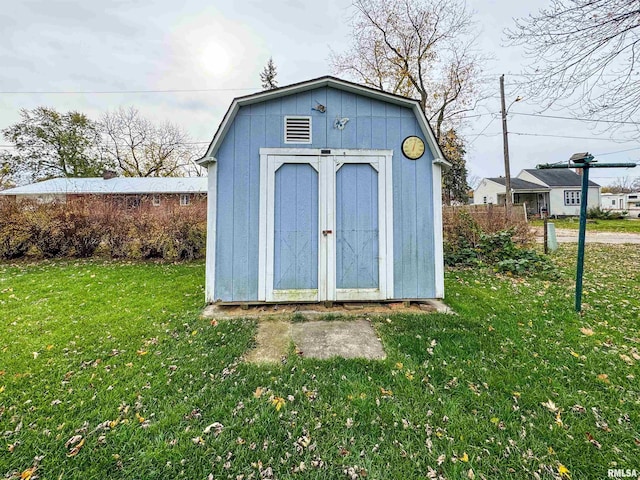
622,122
620,140
617,151
125,145
569,136
81,92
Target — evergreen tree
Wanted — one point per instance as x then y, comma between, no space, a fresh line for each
268,76
454,179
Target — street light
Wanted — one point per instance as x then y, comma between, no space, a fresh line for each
505,141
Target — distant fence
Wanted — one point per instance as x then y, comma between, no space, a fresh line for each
488,218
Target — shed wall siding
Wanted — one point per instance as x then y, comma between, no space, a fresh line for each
373,124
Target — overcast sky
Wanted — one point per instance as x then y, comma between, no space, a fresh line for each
219,47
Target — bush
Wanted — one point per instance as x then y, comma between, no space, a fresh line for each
500,251
49,229
598,213
85,228
15,233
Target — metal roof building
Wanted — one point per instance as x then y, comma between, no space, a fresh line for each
112,186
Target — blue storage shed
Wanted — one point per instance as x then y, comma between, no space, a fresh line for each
324,190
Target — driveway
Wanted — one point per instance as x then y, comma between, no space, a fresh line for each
571,236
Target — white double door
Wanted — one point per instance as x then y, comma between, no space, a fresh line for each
326,226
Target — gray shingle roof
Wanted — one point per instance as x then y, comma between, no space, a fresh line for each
519,184
118,185
560,177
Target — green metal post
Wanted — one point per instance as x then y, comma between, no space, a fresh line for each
582,233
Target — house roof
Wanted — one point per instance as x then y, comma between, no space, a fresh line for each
519,184
326,81
558,177
118,185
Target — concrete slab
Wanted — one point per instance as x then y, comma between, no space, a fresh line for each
440,307
272,342
347,339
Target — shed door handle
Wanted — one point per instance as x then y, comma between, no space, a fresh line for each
326,232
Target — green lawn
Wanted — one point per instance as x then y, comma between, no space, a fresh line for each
629,225
115,355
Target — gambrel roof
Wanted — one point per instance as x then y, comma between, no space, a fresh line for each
327,81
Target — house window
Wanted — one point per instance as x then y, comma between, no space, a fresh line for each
297,129
156,200
572,197
185,199
633,196
484,199
613,202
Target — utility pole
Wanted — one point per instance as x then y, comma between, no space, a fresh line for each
505,141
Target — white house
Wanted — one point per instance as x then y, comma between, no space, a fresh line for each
622,202
556,190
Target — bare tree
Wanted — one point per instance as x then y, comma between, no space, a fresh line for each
622,185
422,49
586,51
473,180
141,149
268,76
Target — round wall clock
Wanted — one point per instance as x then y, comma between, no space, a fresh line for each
413,147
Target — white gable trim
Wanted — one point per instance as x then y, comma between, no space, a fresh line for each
319,83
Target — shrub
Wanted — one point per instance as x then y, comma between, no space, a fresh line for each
83,228
598,213
49,229
84,231
15,232
500,251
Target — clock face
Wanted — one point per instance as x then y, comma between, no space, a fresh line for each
413,147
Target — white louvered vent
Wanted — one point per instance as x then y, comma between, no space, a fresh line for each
297,129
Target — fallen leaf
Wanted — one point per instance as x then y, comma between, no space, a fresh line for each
28,473
75,450
464,457
258,393
603,377
214,323
470,474
593,441
558,419
626,358
563,471
73,440
386,393
586,331
141,352
217,428
278,402
577,355
550,406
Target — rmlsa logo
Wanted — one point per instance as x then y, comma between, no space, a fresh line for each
621,473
